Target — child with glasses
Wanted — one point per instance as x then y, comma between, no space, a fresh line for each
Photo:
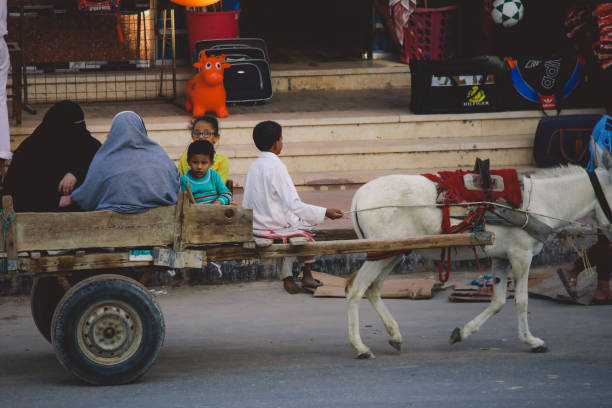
207,128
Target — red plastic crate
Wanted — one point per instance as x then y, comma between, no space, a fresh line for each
431,34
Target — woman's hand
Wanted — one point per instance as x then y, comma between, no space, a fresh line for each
67,184
65,201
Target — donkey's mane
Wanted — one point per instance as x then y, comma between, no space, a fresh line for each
559,171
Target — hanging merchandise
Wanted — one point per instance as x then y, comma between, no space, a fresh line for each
604,23
400,10
98,5
507,13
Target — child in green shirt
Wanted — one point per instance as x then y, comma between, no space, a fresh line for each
205,183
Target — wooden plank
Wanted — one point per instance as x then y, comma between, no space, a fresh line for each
348,246
72,262
232,252
179,222
391,289
211,223
334,234
9,233
44,231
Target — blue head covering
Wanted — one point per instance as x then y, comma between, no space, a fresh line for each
601,144
130,172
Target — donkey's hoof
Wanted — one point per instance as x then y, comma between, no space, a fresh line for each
368,355
540,349
396,345
455,336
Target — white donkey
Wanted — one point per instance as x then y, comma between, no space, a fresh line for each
401,206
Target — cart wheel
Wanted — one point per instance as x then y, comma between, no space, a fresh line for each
107,329
46,294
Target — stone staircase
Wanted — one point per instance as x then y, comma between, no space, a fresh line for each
343,124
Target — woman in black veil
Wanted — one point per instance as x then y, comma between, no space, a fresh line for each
52,161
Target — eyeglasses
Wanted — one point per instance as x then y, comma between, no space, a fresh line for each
205,134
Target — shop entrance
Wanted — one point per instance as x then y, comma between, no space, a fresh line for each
311,31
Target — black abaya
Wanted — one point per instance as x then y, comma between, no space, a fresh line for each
61,144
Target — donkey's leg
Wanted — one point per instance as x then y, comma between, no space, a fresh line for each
356,287
520,272
373,294
500,282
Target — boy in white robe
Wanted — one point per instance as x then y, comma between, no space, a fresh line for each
277,208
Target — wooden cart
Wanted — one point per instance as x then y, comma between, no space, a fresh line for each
91,303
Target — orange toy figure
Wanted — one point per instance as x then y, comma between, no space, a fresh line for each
205,91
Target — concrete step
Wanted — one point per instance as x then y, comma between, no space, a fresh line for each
145,84
384,154
330,132
351,180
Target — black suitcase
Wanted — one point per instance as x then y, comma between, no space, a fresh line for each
254,47
235,53
563,139
248,79
457,86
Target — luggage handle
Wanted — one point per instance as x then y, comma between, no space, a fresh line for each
564,154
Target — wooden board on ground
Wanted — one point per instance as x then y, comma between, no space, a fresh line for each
333,286
475,294
552,288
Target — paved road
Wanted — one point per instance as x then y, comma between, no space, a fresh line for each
251,345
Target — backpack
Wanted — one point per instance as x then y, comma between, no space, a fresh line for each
550,83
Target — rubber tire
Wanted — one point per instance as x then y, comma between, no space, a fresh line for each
107,288
44,297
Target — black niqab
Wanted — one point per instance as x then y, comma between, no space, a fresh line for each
60,144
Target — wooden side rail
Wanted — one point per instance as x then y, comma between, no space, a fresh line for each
51,264
174,226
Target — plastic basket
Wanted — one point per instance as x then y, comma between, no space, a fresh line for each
431,34
211,25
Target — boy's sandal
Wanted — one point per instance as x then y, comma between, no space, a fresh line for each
569,283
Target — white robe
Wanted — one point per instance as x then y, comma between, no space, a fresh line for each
270,192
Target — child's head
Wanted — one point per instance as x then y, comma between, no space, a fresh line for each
265,134
205,128
200,157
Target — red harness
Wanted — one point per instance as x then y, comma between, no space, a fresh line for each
450,183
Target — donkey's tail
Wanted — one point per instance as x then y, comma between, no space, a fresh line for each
355,217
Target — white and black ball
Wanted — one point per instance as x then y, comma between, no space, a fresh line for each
507,12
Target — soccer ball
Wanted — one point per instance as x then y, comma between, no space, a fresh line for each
507,12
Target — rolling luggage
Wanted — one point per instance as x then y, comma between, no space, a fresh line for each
248,79
563,139
251,47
